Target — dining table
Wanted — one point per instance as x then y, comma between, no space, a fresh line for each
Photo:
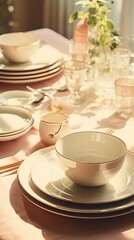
21,217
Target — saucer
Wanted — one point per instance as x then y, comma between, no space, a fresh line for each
48,176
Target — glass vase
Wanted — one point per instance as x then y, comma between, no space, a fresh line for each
103,71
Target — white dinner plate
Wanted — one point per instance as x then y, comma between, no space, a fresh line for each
34,79
16,97
77,215
24,177
48,176
14,122
45,56
31,76
11,74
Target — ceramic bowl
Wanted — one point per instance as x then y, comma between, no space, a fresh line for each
19,47
90,158
16,97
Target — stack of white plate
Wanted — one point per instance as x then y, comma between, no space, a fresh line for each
14,122
44,184
45,64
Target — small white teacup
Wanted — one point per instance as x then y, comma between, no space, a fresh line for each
52,127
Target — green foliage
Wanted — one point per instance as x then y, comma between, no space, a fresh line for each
101,27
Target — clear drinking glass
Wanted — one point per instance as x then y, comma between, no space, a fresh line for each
76,75
124,96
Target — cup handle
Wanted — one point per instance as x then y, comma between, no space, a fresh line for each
52,135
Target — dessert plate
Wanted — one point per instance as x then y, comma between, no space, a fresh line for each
24,178
48,176
14,122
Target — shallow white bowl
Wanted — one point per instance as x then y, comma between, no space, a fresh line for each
90,158
19,47
16,97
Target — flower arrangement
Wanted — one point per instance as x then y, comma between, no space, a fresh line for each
101,30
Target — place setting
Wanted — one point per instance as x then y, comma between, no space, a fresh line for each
26,63
90,183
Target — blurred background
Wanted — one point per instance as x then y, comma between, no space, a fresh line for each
25,15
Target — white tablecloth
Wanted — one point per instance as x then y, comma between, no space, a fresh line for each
20,219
